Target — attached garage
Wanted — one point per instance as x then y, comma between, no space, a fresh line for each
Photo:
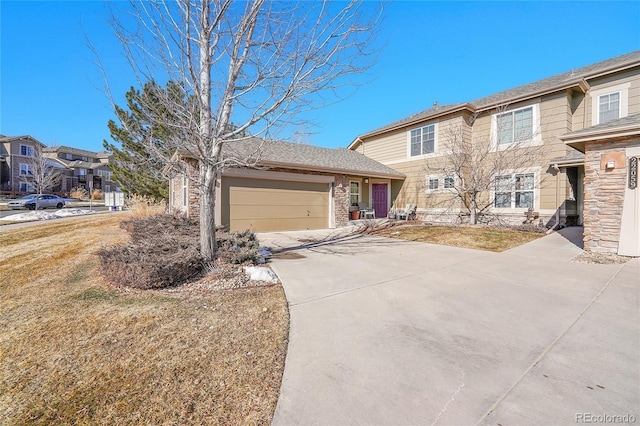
274,205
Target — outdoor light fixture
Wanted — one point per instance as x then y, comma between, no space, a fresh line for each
611,165
366,180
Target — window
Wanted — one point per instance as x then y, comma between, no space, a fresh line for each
515,191
82,172
354,187
423,140
25,187
608,107
26,170
68,156
26,150
440,183
107,188
449,183
185,183
515,126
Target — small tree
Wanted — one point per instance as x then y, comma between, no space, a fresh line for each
42,173
257,64
476,166
136,166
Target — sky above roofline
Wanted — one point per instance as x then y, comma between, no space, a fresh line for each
449,52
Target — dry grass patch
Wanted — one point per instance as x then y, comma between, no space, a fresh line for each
474,237
75,351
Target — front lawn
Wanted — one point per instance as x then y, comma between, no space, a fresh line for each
474,237
74,350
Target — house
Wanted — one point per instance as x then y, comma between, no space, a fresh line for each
291,187
16,155
545,114
82,169
611,193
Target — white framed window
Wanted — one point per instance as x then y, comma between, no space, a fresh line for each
354,189
26,169
185,185
440,183
25,187
515,126
423,141
608,107
82,172
515,191
609,103
26,151
107,188
449,183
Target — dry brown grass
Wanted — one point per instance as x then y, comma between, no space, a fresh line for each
474,237
143,206
75,351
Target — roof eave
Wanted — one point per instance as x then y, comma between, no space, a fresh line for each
578,141
466,106
331,170
581,84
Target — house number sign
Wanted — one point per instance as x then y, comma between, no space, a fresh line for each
633,172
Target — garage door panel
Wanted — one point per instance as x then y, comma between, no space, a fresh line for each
270,205
283,212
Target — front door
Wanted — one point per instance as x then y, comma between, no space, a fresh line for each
380,201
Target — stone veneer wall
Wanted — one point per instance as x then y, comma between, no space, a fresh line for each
341,198
604,194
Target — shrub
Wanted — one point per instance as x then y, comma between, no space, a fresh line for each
97,194
79,193
238,247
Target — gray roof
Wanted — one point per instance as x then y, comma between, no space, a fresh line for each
572,157
307,157
71,150
620,123
557,82
17,138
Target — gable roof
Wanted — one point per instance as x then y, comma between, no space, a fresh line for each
274,153
576,78
19,138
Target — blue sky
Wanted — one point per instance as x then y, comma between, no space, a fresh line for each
448,52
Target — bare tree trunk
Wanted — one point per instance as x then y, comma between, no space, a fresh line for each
473,210
207,211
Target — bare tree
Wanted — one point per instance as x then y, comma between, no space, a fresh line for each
247,68
42,173
478,172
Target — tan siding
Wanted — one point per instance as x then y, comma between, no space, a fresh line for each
389,148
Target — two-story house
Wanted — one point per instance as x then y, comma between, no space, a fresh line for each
16,155
82,169
535,119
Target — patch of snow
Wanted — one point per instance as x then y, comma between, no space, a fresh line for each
33,216
257,273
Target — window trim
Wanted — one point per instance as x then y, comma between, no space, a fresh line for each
29,167
623,89
513,173
359,193
185,191
29,149
441,184
435,142
536,136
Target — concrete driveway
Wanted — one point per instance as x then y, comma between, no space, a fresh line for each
392,332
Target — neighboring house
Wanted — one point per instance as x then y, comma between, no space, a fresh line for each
293,187
542,111
16,154
611,193
82,169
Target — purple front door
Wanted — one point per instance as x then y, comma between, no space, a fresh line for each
379,196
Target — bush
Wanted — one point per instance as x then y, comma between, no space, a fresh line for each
164,251
79,193
238,247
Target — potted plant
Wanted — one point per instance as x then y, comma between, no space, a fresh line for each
354,211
